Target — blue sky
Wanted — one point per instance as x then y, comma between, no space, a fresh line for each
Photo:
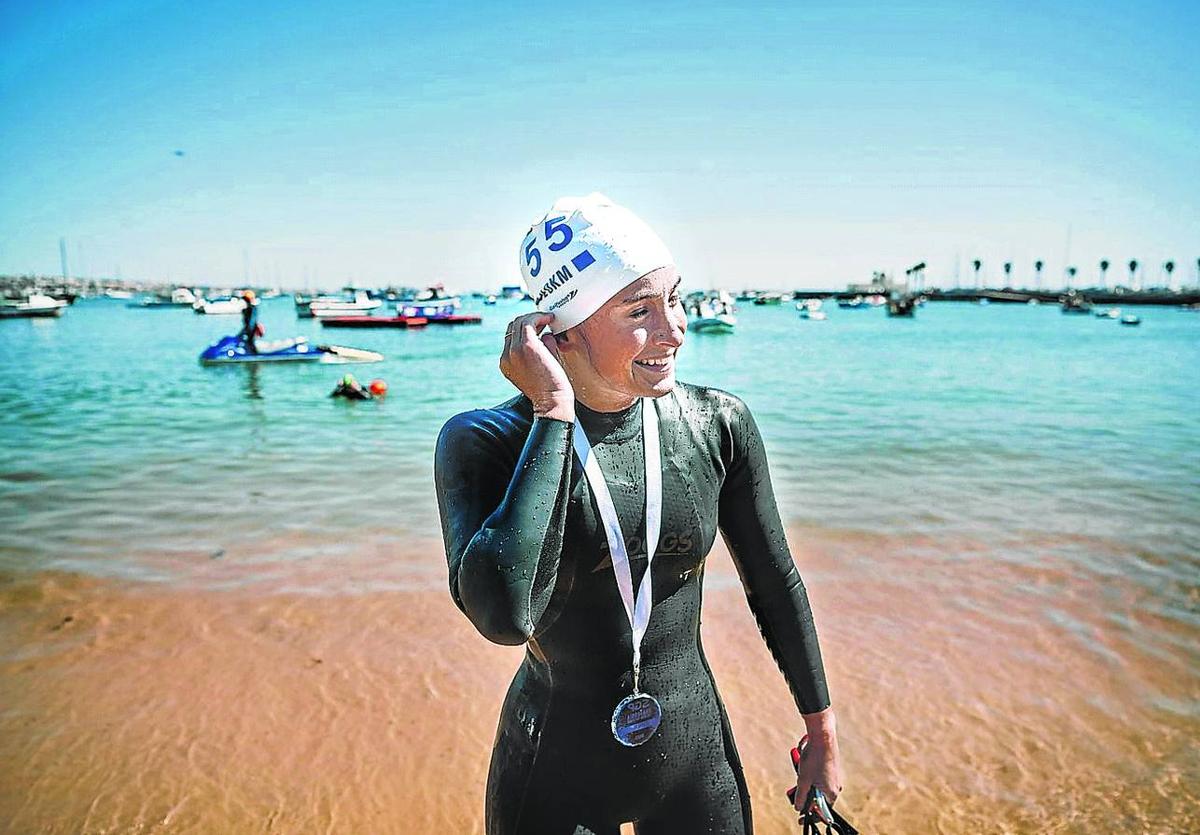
769,146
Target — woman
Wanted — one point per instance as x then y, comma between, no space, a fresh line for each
547,502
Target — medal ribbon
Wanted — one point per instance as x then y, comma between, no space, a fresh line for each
637,609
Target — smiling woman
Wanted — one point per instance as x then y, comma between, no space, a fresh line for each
614,715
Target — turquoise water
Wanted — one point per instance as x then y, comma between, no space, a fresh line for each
1010,428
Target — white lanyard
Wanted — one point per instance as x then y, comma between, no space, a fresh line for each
638,610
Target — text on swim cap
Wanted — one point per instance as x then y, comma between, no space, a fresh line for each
557,280
551,229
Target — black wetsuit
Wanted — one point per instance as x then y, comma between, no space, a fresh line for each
249,323
529,564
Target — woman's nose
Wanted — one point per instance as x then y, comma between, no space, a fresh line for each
671,329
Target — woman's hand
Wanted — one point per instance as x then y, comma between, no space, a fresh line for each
532,364
819,760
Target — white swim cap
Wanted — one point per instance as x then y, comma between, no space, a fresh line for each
582,252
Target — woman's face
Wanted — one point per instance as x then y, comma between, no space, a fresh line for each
627,348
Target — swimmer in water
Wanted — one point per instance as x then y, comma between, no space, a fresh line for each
351,389
548,502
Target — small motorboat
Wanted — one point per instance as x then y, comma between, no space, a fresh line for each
119,294
232,350
713,314
440,312
36,305
813,315
374,321
361,303
220,306
489,300
902,306
1109,313
769,299
1130,319
183,297
1074,303
720,323
855,303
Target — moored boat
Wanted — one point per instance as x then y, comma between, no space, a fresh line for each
220,306
712,314
35,306
440,312
183,297
361,303
1073,303
374,321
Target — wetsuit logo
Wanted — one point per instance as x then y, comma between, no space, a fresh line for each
668,543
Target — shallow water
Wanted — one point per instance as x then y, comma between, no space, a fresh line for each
996,510
1013,425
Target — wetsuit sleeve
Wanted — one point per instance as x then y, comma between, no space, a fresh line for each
749,521
503,527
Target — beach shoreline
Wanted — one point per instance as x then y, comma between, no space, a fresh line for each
142,707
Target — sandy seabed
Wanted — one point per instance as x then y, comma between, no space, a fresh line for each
962,708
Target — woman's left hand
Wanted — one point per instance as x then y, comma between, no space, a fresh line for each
819,764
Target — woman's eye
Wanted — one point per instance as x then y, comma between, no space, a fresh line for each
639,313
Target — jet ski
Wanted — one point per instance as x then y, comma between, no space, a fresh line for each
231,349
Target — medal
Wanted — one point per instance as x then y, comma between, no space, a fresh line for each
638,715
636,719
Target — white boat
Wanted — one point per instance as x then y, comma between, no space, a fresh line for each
813,315
362,303
1109,313
714,316
119,294
1130,319
37,305
224,306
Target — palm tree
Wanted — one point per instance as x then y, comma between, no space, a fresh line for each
1037,268
1104,274
976,264
1170,268
1008,274
1071,276
1133,284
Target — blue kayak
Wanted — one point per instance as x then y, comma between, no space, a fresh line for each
231,349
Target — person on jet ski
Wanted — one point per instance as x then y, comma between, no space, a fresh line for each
250,327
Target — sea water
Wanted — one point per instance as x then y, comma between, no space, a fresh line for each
1013,425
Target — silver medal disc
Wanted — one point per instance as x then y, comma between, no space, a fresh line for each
636,719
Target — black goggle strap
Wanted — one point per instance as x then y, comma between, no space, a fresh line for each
814,804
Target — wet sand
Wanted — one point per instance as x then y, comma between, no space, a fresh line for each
973,696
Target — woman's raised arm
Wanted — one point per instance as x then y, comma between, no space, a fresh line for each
502,526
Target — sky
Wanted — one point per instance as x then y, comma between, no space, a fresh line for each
790,146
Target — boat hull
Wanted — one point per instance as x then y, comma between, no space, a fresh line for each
374,321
